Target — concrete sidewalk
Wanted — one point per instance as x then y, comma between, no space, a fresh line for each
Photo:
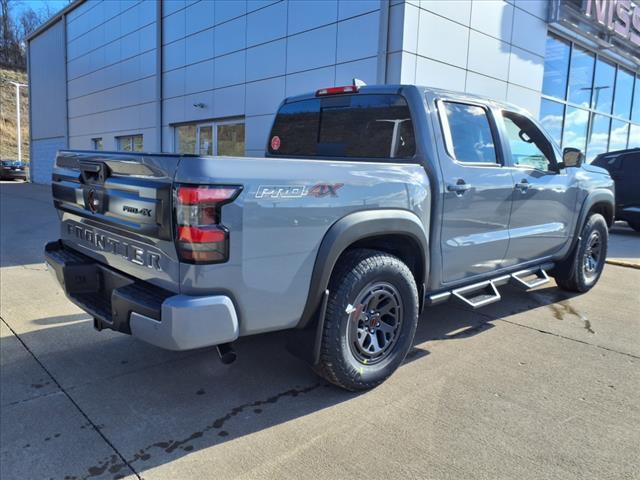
540,385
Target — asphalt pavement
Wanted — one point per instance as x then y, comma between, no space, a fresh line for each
541,385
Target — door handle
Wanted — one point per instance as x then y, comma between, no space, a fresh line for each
523,186
459,187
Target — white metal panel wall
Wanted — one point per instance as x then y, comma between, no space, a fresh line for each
493,48
111,69
241,58
47,93
47,89
43,155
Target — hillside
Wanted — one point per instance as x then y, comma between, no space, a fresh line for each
8,131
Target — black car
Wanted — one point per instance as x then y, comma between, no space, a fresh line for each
12,170
624,168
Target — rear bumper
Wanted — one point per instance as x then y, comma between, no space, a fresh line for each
128,305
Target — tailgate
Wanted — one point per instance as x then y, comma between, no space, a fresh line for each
117,209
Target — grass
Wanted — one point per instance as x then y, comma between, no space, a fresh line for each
8,130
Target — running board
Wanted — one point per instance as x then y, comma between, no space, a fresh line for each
486,292
520,278
478,295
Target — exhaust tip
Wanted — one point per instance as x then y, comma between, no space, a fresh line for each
226,353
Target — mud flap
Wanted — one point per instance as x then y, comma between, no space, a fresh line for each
306,343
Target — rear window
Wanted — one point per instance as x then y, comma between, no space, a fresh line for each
353,126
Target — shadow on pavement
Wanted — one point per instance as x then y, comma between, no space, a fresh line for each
156,406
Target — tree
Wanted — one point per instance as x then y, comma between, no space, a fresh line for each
14,31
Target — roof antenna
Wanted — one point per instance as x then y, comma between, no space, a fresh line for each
356,82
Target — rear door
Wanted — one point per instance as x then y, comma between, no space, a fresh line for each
544,197
477,191
117,209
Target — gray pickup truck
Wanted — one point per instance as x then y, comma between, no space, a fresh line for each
371,203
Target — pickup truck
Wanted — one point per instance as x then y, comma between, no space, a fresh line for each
371,203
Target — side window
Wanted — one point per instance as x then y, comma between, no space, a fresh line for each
468,133
529,147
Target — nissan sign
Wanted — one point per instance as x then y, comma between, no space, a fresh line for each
620,16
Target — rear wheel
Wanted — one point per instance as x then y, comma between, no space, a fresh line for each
370,322
580,271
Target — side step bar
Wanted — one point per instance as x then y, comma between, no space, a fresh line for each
484,293
478,295
521,278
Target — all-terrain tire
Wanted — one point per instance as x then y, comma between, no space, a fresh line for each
578,273
342,361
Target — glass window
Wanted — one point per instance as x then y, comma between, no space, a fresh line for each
602,99
634,136
618,136
556,66
137,143
576,122
470,133
186,139
551,114
529,147
231,139
205,140
130,143
97,144
211,138
598,136
368,126
296,129
635,115
581,77
624,91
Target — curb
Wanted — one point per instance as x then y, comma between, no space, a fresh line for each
622,263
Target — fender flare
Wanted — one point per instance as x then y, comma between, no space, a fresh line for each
600,195
350,229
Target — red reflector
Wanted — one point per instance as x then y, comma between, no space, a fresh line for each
195,195
337,90
201,235
203,257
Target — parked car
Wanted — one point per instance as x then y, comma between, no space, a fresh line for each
624,168
13,170
372,203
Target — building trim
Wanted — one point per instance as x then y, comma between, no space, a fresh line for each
63,19
31,163
159,21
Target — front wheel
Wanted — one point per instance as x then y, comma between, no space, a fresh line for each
370,322
580,271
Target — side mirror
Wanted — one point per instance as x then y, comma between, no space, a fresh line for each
572,157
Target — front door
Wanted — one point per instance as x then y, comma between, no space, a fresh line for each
477,191
544,197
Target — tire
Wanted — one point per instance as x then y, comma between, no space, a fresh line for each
634,225
580,271
361,347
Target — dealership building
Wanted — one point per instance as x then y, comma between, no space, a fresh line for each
207,76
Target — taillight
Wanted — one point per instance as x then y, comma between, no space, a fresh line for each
337,90
200,236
